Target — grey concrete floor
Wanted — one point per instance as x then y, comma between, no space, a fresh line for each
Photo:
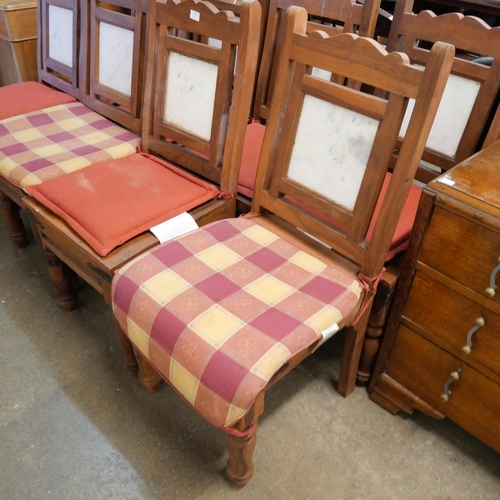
74,424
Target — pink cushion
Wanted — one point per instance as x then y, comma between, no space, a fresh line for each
51,142
109,203
24,97
220,310
254,137
251,150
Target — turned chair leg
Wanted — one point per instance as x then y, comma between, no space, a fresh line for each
63,277
13,222
148,376
128,352
241,441
351,354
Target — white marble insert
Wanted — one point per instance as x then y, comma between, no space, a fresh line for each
457,102
190,96
331,150
116,49
61,35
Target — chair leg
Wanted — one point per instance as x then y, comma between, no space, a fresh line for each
241,441
148,376
128,352
63,277
351,355
13,222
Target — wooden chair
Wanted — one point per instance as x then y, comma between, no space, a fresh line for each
345,16
58,59
224,312
64,64
59,62
58,68
114,60
468,100
471,90
198,102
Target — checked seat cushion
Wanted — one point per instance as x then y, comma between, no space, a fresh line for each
220,310
51,142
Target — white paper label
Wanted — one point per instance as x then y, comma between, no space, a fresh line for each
328,333
446,180
195,16
172,228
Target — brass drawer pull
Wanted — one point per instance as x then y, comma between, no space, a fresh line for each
466,349
491,290
454,376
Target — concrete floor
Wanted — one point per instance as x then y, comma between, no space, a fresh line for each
74,424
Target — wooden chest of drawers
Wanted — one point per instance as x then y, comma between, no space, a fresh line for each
441,351
18,33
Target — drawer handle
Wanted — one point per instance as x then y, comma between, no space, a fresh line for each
466,349
453,376
491,290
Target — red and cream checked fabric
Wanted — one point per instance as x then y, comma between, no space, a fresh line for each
218,311
45,144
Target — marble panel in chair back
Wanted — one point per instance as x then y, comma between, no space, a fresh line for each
331,150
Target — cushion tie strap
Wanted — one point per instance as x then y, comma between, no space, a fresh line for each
236,432
369,285
226,196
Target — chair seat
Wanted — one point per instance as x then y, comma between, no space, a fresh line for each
25,97
109,203
220,310
251,150
48,143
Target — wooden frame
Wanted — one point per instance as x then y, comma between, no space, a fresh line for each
352,15
203,157
55,73
471,36
64,249
130,15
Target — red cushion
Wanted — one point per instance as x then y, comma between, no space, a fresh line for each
402,233
24,97
251,151
109,203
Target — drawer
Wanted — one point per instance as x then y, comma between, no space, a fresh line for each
424,368
462,250
449,316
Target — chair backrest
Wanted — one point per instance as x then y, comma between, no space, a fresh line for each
113,57
472,87
199,94
59,45
345,16
328,146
